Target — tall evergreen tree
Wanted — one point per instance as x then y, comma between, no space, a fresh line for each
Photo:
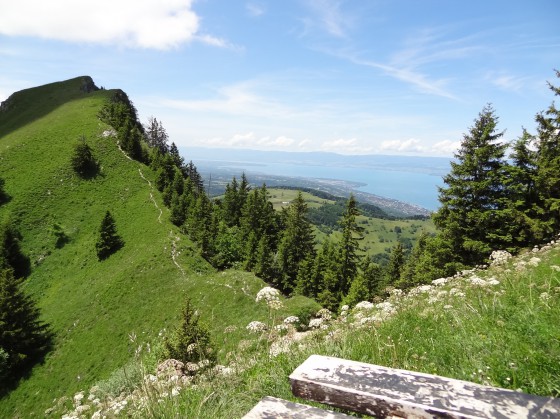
548,161
395,266
156,135
23,336
474,202
297,243
109,241
349,246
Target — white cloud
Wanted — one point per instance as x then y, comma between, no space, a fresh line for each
157,24
248,140
446,147
411,145
345,146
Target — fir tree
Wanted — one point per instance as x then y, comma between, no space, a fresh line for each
395,266
83,162
191,342
109,241
474,203
547,177
156,135
349,246
24,338
297,243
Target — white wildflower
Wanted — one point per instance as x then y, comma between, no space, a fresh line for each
325,314
291,320
396,292
447,307
499,257
456,292
364,305
175,391
256,327
555,268
345,307
315,323
440,281
267,294
191,348
78,398
475,280
534,261
492,281
191,367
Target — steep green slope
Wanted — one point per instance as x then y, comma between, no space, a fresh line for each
95,307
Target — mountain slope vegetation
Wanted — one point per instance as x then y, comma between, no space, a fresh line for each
92,306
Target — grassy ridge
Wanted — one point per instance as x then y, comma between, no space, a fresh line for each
96,307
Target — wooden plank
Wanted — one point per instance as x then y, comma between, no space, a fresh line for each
384,392
273,408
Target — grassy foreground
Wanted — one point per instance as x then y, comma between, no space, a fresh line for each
497,327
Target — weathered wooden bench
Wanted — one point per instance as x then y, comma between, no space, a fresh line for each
387,392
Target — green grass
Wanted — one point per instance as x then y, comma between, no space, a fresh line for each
505,335
95,307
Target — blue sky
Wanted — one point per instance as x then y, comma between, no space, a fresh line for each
352,77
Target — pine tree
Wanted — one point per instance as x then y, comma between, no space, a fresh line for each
109,241
297,243
192,173
156,135
23,336
547,177
474,202
395,265
366,285
349,246
83,162
129,139
191,342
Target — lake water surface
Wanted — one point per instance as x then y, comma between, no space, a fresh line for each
412,187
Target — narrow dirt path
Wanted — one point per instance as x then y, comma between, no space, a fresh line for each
152,195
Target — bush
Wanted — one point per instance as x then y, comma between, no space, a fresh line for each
191,342
83,162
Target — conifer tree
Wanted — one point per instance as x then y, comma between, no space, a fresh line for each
395,265
156,135
366,285
231,208
191,342
547,177
24,338
474,203
83,162
109,241
297,243
349,246
192,173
